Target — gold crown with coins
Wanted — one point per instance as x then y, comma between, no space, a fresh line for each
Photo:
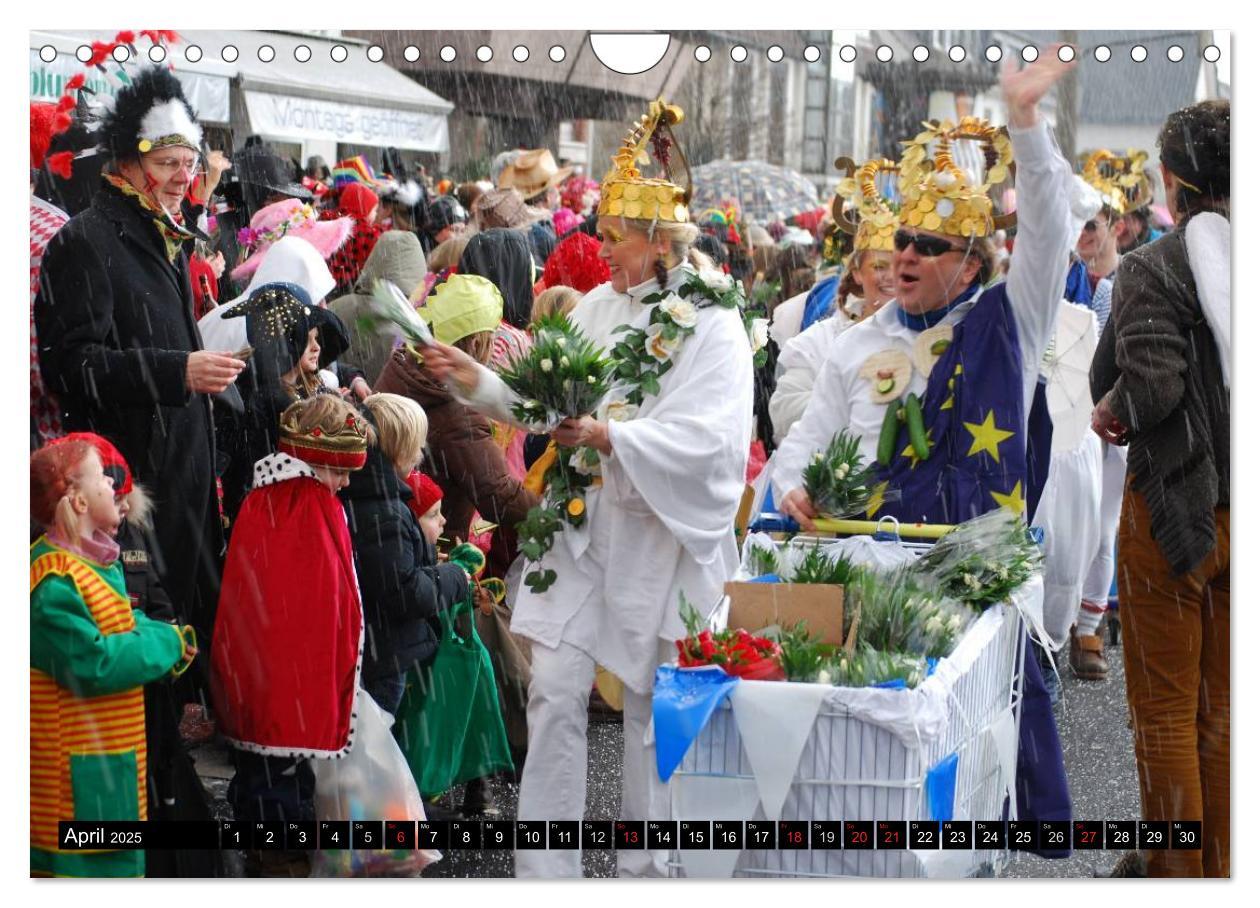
861,209
937,194
1121,179
626,192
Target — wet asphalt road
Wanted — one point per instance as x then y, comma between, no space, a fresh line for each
1097,746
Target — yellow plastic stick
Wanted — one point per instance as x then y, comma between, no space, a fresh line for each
869,527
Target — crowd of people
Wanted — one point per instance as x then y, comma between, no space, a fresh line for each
250,509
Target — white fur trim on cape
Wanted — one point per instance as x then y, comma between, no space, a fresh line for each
279,467
169,118
1207,244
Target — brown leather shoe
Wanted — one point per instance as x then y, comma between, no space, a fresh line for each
1086,657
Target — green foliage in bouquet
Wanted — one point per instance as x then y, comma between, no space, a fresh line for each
899,615
564,501
983,560
763,561
817,567
869,666
802,656
837,482
564,374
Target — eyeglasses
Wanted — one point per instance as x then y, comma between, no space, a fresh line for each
171,165
928,246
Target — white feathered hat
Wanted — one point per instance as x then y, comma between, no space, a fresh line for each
150,113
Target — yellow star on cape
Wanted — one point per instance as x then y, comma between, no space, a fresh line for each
986,437
877,499
914,458
1014,500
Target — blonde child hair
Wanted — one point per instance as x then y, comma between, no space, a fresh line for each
558,300
402,428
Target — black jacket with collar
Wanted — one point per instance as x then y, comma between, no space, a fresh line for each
115,324
402,585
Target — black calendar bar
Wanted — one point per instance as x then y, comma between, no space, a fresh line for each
629,835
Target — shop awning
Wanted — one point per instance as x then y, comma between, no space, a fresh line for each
355,102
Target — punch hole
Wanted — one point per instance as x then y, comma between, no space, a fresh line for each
48,53
192,53
229,53
302,53
556,53
485,53
1102,53
1138,53
993,53
375,53
339,54
703,54
739,53
411,53
812,54
266,53
774,53
957,53
848,53
920,54
883,53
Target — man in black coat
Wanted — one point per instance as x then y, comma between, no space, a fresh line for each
118,343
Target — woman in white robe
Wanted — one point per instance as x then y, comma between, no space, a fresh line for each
661,525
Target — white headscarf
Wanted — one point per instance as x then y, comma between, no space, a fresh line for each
290,259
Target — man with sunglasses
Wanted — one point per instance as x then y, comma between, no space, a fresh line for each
118,344
969,354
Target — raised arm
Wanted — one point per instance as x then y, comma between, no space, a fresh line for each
1039,263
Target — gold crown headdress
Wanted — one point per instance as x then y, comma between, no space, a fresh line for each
625,192
869,215
938,194
1122,180
345,448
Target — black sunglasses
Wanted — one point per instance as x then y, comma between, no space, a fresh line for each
928,246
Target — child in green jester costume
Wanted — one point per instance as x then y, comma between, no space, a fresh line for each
91,654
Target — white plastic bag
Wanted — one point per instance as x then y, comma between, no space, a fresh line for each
1069,513
373,782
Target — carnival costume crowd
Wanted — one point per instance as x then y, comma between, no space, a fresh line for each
257,517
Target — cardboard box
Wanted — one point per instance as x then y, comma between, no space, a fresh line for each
819,605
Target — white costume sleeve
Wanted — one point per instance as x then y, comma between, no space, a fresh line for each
492,396
791,397
826,414
685,459
1039,263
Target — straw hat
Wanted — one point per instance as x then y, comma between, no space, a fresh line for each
533,172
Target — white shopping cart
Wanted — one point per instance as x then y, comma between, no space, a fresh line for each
854,768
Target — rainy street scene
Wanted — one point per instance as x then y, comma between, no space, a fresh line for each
688,454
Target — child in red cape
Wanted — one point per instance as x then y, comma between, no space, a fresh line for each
288,639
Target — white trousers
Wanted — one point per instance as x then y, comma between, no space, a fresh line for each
553,784
1099,576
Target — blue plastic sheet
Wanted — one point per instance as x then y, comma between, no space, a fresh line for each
940,783
682,702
